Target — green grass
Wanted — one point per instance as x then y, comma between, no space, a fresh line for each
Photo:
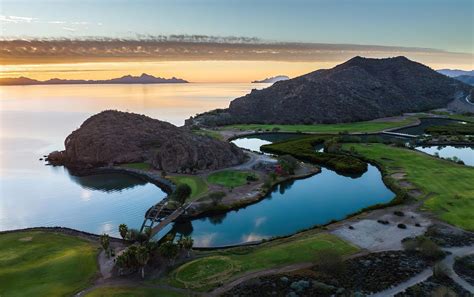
303,149
140,166
45,264
132,292
208,133
206,272
369,126
197,184
450,185
229,178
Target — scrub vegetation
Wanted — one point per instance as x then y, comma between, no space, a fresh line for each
140,166
303,149
40,263
367,126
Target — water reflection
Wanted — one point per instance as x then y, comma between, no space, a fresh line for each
425,123
35,120
291,207
464,153
110,182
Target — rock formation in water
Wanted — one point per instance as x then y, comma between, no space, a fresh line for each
357,90
272,79
113,137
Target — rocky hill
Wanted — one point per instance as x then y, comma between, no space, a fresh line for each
113,137
357,90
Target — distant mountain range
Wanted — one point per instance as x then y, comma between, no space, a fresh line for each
360,89
455,72
127,79
272,79
468,79
466,76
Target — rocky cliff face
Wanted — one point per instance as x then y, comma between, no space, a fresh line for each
357,90
113,137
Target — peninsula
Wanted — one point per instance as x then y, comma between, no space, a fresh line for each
127,79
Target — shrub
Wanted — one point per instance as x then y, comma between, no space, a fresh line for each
182,192
288,163
399,213
425,246
402,226
251,178
216,197
430,250
330,262
440,271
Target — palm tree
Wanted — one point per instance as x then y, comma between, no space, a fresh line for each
142,255
123,229
186,243
105,242
169,250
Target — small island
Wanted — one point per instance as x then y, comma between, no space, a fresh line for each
271,80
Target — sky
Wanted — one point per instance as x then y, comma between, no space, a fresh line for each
208,40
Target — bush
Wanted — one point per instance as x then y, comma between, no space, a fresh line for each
216,197
402,226
399,213
330,262
430,250
182,192
440,271
425,246
288,163
251,178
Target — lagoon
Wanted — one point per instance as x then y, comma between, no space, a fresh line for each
35,120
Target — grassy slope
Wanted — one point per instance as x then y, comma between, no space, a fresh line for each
208,133
49,264
369,126
204,273
450,184
229,178
197,184
132,292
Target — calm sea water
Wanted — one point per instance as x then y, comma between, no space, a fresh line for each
35,120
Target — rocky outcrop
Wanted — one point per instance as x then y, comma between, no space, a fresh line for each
113,137
357,90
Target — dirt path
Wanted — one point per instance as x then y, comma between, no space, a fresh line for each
448,262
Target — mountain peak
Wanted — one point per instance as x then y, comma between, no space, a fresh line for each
359,89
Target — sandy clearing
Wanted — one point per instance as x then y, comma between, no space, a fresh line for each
374,236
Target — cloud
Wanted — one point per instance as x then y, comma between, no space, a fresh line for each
200,47
16,19
69,29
